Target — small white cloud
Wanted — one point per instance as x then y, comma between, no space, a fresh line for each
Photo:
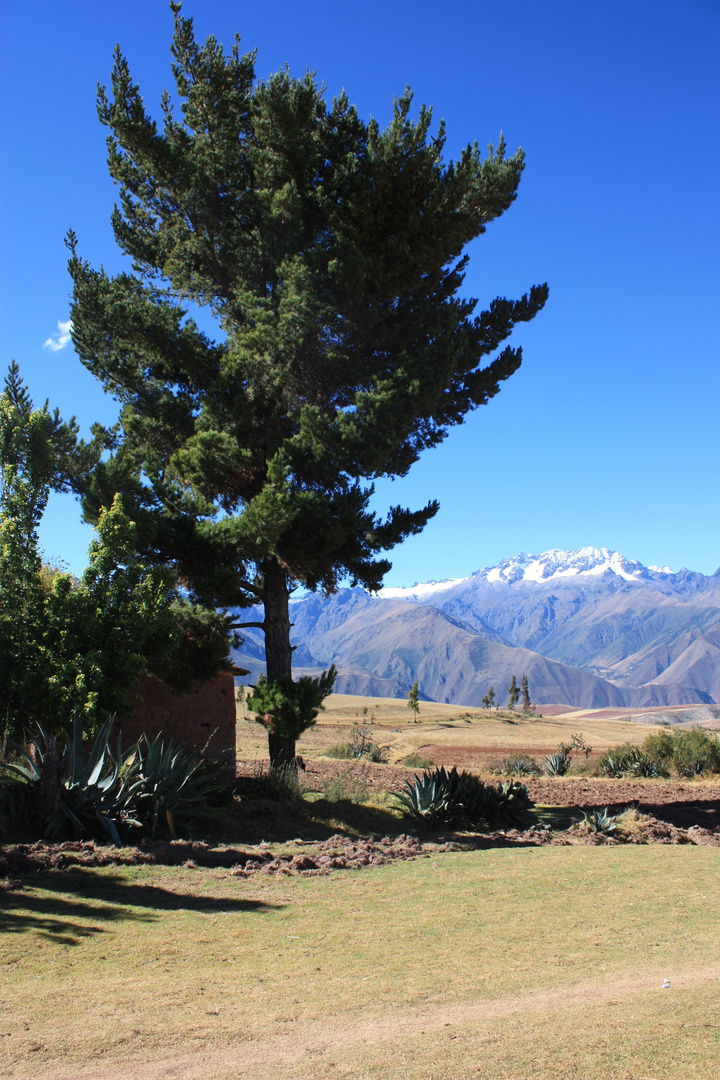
61,339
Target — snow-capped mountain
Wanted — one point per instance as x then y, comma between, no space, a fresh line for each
587,561
589,627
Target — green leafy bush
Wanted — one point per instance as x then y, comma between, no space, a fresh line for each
287,707
660,746
695,752
630,760
416,760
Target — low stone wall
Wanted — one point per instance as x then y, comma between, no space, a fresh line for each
206,713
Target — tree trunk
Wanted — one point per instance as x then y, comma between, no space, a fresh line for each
278,651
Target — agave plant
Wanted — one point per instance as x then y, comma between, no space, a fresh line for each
100,794
600,822
104,790
614,763
429,798
440,797
114,792
510,805
557,764
176,783
518,765
631,760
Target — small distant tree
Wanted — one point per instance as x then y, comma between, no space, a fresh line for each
413,701
525,695
513,694
488,700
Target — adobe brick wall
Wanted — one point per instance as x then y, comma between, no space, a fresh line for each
190,718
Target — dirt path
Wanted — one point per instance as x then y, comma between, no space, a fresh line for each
309,1038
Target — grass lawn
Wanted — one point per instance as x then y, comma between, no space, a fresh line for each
505,964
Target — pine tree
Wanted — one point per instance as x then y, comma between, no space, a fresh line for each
525,695
330,253
513,694
413,700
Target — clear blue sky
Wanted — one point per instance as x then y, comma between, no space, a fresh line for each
610,432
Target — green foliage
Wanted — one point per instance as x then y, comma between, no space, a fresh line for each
695,752
110,793
413,700
442,798
361,744
600,822
660,746
511,805
348,785
417,760
275,783
429,797
287,707
177,785
489,699
525,695
513,694
630,760
28,460
691,753
557,764
68,646
331,254
518,765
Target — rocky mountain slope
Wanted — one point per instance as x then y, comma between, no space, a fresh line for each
589,628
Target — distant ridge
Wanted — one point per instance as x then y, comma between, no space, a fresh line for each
589,628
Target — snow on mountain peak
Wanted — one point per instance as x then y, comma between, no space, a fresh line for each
588,561
556,563
420,590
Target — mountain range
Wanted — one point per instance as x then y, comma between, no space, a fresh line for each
589,628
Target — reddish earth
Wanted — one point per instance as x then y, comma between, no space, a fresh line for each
681,802
671,812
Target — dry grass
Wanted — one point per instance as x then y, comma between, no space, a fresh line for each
504,964
445,725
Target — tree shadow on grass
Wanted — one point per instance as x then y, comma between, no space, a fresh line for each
101,899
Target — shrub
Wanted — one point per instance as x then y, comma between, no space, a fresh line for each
631,760
518,765
416,760
696,752
349,785
660,746
559,763
276,783
361,744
